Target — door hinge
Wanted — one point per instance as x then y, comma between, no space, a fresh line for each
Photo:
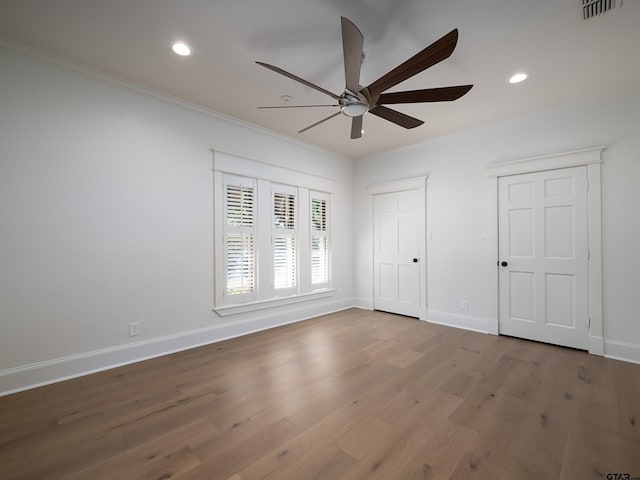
588,254
589,323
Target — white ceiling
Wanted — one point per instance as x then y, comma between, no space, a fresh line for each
570,60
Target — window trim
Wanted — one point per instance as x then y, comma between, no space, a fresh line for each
273,178
226,162
227,310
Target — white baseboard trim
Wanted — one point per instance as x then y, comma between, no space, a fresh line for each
625,351
33,375
364,303
466,322
493,327
367,304
596,345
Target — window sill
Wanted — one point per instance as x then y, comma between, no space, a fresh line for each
273,302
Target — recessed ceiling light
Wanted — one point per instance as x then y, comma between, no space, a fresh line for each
181,49
518,77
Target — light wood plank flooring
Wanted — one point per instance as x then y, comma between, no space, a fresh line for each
352,395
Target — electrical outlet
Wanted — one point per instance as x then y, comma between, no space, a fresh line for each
464,305
134,329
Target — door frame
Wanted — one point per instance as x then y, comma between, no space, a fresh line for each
414,183
592,159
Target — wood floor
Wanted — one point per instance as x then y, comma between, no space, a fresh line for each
353,395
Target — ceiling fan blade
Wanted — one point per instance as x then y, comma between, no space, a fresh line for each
352,48
299,106
356,127
318,123
434,53
298,79
443,94
396,117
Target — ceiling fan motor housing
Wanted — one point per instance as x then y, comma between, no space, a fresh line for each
354,104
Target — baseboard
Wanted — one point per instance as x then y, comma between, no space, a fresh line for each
364,303
625,351
596,345
42,373
493,327
367,304
466,322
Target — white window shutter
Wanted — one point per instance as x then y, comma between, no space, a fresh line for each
239,238
319,240
284,241
240,205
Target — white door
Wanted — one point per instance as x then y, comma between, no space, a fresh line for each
543,256
397,221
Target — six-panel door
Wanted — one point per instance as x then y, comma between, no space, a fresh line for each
396,252
543,256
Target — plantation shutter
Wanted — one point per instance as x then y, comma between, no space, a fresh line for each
319,240
284,239
239,237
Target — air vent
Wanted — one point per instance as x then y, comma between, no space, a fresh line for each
594,8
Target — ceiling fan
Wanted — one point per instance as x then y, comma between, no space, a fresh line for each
357,100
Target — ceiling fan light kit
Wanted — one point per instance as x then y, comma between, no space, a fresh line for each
354,104
357,100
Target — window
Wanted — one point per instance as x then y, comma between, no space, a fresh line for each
239,237
284,239
319,240
271,240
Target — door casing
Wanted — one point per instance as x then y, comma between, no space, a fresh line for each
419,184
592,159
543,246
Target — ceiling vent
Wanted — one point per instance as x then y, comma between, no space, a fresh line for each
594,8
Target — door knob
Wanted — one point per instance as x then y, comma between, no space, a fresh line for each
504,264
415,260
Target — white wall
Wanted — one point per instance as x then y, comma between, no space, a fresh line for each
106,217
460,264
106,206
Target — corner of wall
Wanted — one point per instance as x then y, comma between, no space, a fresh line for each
364,303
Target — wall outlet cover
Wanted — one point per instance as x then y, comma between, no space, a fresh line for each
134,329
